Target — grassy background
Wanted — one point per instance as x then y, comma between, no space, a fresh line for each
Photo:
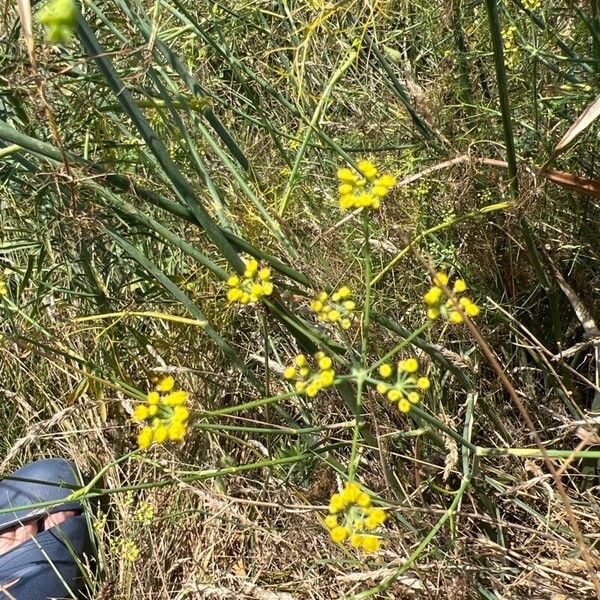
239,114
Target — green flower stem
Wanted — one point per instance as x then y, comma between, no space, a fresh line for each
536,453
212,474
271,430
405,342
367,310
360,375
443,225
435,422
360,382
247,406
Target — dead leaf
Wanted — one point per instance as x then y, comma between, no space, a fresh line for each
585,119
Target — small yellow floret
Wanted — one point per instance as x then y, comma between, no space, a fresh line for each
440,279
363,500
394,395
367,168
385,370
455,317
351,492
160,434
325,362
176,398
414,397
339,534
234,294
472,309
382,388
346,175
289,373
176,431
404,405
300,360
423,383
337,503
387,181
144,438
410,365
433,296
141,412
344,292
460,286
166,384
331,521
371,543
433,313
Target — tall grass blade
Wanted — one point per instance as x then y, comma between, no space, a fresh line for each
171,170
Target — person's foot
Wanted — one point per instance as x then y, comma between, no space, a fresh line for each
15,536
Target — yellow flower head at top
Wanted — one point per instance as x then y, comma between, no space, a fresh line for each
449,309
59,18
364,189
309,381
353,518
337,308
164,415
249,289
408,387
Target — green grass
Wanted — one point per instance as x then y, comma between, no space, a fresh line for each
143,161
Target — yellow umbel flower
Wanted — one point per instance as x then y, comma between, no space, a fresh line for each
3,287
250,288
449,309
59,18
352,517
364,189
311,381
407,389
164,415
337,308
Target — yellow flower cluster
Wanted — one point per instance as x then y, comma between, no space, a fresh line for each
532,5
127,549
3,287
165,414
434,299
511,49
351,517
59,18
408,387
311,382
365,190
337,308
250,288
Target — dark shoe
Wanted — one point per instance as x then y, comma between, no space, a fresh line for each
47,565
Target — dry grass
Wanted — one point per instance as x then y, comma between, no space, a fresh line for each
68,387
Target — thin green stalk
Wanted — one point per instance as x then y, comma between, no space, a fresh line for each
246,406
361,375
501,80
435,422
313,126
536,453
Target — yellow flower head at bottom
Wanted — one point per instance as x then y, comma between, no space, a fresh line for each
352,517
